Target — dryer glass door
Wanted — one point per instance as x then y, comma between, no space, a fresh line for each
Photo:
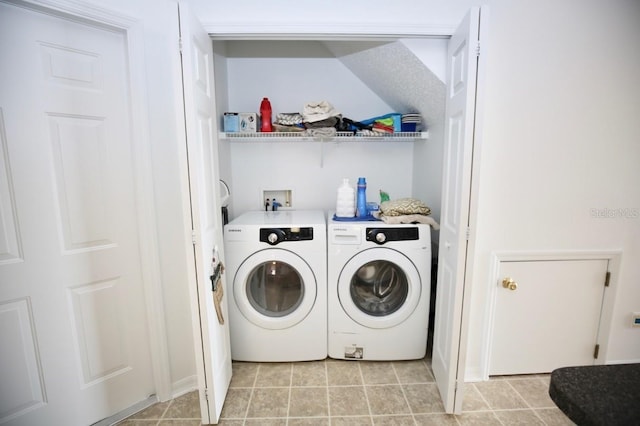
275,289
379,288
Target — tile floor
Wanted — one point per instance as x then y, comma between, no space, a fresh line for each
332,392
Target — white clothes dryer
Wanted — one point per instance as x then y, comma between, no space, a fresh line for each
277,266
379,279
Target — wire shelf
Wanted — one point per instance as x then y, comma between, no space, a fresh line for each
338,137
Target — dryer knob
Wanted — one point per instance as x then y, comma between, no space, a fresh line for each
273,238
380,237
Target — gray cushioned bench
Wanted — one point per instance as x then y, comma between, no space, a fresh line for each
598,394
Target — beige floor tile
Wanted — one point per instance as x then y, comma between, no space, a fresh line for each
236,404
224,422
435,420
534,391
269,402
266,422
423,398
243,374
155,411
313,421
386,399
348,401
308,402
351,421
309,374
500,395
358,393
554,417
546,378
274,375
519,418
186,406
393,421
343,373
472,399
487,418
413,372
378,373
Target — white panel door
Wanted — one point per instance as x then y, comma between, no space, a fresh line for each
213,348
73,326
550,316
448,346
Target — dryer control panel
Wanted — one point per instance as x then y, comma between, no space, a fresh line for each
275,236
383,235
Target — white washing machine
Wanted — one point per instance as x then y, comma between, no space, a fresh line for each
277,281
379,279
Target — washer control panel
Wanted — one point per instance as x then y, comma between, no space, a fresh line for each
275,236
383,235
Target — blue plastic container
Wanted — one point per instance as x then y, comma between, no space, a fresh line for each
361,203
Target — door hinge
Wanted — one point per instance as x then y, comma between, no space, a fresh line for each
180,44
596,351
193,237
607,279
478,48
206,394
468,233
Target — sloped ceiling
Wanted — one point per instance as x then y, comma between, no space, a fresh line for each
389,68
397,75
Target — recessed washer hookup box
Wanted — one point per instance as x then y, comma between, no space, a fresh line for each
240,122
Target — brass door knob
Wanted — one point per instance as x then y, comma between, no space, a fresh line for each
509,283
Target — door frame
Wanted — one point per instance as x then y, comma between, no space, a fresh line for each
143,178
342,32
606,316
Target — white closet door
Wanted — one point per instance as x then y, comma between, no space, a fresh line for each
449,337
74,344
213,349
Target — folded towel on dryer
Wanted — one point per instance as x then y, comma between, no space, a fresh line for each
404,206
410,218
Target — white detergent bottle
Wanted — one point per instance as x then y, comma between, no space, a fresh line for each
346,202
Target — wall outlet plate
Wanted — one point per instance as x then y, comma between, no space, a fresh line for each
635,319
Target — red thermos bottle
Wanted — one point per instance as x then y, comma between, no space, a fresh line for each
265,116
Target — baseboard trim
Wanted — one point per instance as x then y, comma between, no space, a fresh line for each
111,420
182,386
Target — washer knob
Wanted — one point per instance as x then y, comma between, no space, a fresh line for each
380,237
272,238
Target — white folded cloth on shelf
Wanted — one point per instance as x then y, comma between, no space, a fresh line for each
317,111
321,132
410,218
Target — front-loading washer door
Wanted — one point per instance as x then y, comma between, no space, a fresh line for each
274,289
379,288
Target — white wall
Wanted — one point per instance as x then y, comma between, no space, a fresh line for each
560,139
290,75
314,171
560,125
